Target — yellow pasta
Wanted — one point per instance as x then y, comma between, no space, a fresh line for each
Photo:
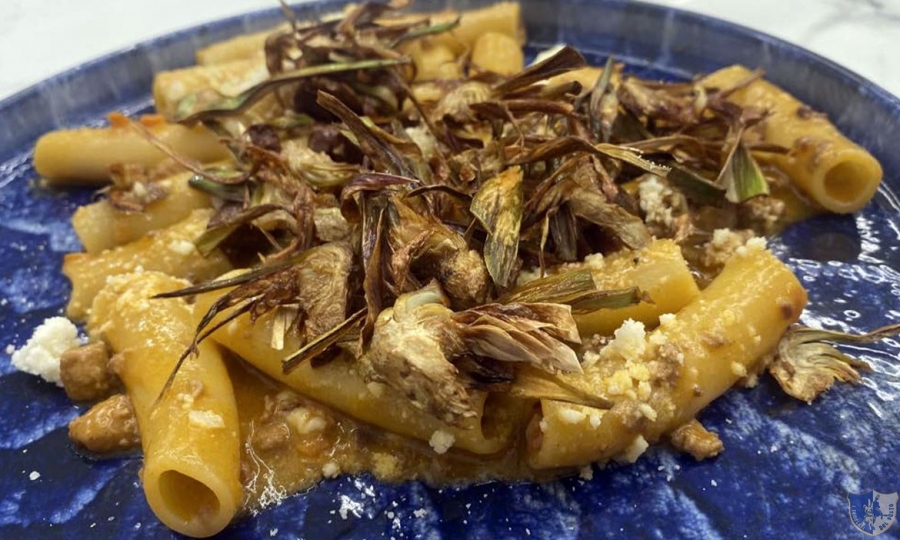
169,250
499,53
100,226
226,79
191,471
690,361
338,385
434,61
658,270
84,155
834,171
502,18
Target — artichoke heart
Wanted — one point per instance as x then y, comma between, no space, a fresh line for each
416,342
410,351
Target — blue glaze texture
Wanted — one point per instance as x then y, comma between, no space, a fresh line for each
787,467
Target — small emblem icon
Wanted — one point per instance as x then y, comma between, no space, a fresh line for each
872,512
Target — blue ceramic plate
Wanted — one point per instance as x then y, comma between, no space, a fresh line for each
787,468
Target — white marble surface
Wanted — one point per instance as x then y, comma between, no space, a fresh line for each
41,37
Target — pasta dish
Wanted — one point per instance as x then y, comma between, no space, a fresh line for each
383,242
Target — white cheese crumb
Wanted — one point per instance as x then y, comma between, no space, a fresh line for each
658,339
10,349
727,242
40,356
206,419
441,441
754,244
420,513
595,261
34,476
571,416
628,341
543,425
713,483
331,469
634,450
273,532
181,247
305,421
589,359
647,411
651,196
666,319
586,473
596,417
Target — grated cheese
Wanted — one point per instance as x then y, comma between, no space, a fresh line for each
652,199
635,450
571,416
40,355
331,469
441,441
305,421
206,419
628,341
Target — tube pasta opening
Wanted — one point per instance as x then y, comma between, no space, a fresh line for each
847,184
191,506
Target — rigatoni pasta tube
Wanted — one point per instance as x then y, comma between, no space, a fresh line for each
833,170
659,270
191,438
84,155
101,226
338,385
502,18
689,361
170,250
227,79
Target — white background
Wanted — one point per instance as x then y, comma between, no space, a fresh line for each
41,37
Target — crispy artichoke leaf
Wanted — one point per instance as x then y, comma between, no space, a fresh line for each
742,177
695,187
603,104
563,146
806,366
592,206
534,383
576,289
385,156
324,290
498,206
323,342
191,110
460,270
565,59
536,334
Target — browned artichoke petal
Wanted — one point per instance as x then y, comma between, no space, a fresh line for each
805,367
498,206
